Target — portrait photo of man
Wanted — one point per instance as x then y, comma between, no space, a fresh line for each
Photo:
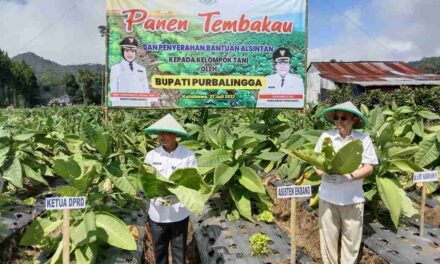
283,89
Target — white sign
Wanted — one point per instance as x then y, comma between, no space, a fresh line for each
425,176
56,203
294,191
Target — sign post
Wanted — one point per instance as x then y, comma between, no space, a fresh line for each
293,192
65,204
293,227
66,236
424,177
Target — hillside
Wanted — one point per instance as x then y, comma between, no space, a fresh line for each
428,64
39,65
52,82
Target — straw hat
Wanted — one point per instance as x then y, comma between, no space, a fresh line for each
167,124
347,107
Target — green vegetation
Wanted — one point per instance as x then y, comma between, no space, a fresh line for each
346,160
40,147
428,64
259,244
266,216
187,184
28,80
428,97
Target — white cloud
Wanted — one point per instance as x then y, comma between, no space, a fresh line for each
397,46
408,31
64,31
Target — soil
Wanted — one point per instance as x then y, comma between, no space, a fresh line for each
192,253
308,230
432,216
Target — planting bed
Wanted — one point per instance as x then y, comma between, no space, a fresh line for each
308,229
381,245
405,246
16,219
428,202
223,241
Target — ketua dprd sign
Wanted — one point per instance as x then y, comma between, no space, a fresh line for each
59,203
199,53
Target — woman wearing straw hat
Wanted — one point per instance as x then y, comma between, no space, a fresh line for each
341,204
168,217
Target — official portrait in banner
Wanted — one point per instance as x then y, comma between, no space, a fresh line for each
206,53
283,89
128,79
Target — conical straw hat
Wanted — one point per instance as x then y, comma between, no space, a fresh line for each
348,107
167,124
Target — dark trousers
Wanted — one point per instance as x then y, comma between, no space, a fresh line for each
163,234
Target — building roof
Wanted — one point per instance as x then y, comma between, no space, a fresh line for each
375,73
63,100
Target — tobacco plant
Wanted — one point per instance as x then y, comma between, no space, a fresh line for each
259,244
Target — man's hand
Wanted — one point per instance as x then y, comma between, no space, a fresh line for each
160,201
337,179
165,201
319,172
172,199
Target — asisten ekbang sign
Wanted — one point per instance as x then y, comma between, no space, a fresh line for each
191,53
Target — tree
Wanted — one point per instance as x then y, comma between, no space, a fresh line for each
103,30
97,88
72,88
5,77
86,81
430,65
25,92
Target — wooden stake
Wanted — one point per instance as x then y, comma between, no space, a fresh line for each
66,235
293,230
422,210
105,115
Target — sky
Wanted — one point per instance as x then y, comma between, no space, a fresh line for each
66,31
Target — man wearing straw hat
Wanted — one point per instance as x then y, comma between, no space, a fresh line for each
341,197
168,217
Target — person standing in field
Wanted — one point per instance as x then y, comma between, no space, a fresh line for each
283,89
341,197
128,76
169,217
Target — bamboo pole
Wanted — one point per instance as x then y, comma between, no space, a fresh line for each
293,230
66,236
422,210
106,75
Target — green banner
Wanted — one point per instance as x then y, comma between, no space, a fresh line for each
206,53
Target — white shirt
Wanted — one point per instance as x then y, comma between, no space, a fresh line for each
166,163
292,85
349,192
125,80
